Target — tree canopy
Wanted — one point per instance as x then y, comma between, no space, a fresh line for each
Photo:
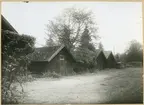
133,53
68,27
101,46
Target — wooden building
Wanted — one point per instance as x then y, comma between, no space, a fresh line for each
56,58
111,62
100,59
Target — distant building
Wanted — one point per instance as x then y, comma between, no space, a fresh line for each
110,59
100,59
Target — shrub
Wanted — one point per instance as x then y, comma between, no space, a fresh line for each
73,73
80,67
15,61
26,78
11,95
135,64
51,74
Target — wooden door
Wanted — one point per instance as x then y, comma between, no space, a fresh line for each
62,65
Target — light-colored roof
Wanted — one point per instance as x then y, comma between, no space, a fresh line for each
47,53
55,53
107,53
98,51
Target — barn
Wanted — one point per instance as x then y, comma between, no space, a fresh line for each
100,59
111,62
56,58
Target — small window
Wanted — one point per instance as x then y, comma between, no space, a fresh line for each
61,57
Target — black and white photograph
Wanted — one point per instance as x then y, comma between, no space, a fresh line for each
84,52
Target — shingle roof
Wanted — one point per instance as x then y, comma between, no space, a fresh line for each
107,53
46,53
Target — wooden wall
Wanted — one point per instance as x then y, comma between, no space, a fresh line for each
101,61
64,67
111,63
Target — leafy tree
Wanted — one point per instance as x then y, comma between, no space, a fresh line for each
123,57
91,47
101,46
85,56
86,51
86,39
134,52
65,37
117,57
68,27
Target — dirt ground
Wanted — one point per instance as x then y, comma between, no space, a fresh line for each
108,86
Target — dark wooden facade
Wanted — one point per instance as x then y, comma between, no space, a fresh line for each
110,60
38,67
62,63
101,61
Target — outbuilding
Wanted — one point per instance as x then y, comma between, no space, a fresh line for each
100,59
110,60
49,59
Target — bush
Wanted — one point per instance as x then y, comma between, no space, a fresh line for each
73,73
15,61
26,78
51,74
92,70
120,65
135,64
85,58
80,67
13,95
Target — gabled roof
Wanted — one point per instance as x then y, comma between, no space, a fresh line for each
98,51
6,25
107,53
47,53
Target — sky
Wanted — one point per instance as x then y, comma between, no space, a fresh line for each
117,22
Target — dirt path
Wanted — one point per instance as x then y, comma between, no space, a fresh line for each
110,86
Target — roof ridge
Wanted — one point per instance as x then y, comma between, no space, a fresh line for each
107,53
8,23
48,52
55,53
50,46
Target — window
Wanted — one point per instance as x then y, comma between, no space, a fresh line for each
61,57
